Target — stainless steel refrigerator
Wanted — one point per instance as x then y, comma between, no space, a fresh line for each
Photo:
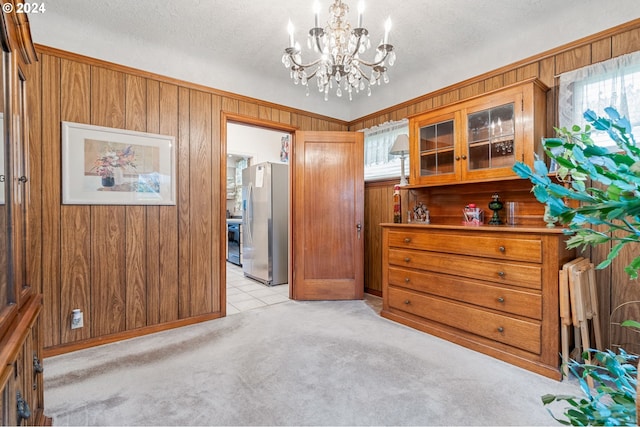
265,222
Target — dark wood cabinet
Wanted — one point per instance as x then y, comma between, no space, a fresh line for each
21,343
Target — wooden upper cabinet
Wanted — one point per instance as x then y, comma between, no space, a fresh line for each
479,139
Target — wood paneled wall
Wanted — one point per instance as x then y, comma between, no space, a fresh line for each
616,291
131,269
135,269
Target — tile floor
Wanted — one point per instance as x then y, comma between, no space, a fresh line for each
245,294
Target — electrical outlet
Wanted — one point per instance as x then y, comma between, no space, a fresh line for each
77,319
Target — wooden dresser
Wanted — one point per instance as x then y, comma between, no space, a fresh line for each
493,289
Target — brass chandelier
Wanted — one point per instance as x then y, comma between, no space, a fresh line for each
339,48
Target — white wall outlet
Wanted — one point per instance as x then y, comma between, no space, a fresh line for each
77,319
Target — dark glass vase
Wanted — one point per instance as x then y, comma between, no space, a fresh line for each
108,181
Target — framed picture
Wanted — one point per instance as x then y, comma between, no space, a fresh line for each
107,166
284,149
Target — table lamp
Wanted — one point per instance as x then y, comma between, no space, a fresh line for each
401,147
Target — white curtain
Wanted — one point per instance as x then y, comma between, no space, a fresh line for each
378,163
613,83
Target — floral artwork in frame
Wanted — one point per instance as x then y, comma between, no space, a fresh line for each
284,149
109,166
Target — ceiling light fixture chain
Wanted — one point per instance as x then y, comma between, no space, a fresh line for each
339,47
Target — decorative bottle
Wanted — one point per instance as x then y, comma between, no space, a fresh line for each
397,215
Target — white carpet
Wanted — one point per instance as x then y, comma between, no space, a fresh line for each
295,363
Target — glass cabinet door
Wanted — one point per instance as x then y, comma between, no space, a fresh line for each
490,138
6,293
437,148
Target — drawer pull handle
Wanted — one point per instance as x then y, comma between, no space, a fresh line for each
407,239
500,299
407,302
407,259
406,280
500,329
502,249
501,273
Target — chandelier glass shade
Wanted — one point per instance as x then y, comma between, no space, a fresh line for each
338,47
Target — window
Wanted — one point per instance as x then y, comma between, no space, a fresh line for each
378,163
613,83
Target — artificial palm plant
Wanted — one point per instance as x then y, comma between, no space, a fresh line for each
609,213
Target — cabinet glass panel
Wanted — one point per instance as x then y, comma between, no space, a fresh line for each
436,148
6,294
19,218
490,138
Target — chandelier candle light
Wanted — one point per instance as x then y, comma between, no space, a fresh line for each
339,48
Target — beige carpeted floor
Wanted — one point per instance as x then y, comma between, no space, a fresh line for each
294,363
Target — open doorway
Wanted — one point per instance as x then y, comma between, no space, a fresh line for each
250,144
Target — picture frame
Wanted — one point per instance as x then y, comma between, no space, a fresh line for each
284,149
109,166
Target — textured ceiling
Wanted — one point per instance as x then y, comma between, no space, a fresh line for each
236,45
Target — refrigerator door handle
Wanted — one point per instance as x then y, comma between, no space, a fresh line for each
249,230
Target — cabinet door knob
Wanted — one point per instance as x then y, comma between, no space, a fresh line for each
500,329
502,249
407,239
24,412
501,273
407,259
407,302
464,157
23,179
406,280
37,365
457,157
500,299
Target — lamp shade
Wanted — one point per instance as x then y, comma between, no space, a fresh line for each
401,145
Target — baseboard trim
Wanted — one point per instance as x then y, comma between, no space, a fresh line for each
121,336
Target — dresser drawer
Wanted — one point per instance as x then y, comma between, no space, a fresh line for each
505,273
499,247
507,330
528,304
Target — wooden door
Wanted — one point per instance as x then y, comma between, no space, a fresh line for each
327,217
